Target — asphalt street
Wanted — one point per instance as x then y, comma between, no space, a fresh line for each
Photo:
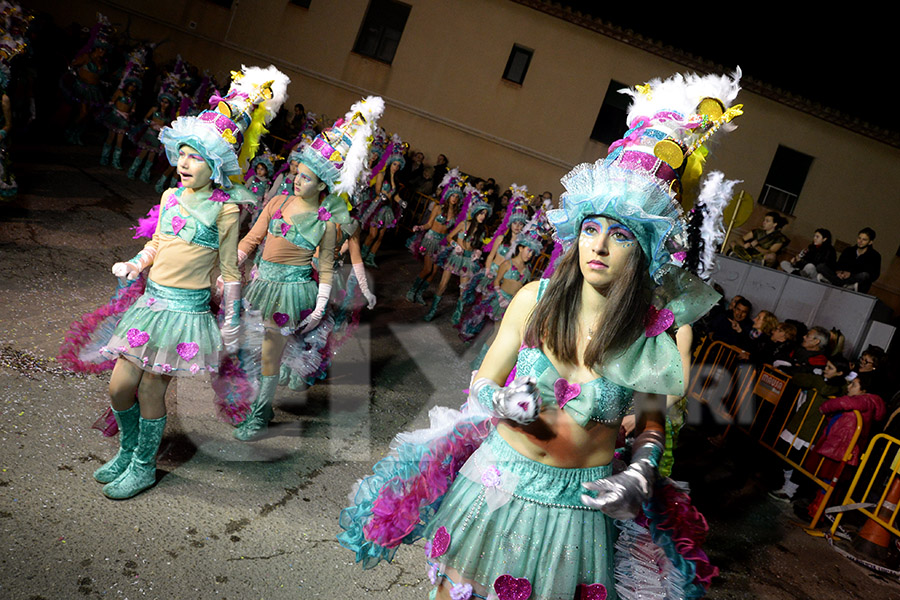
232,520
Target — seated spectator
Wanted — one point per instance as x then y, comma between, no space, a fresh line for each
857,268
871,361
831,381
784,340
762,245
733,327
759,337
437,174
811,355
413,171
820,252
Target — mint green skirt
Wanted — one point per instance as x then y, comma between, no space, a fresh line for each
282,292
508,515
169,331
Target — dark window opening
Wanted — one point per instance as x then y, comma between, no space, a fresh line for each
517,65
785,180
610,124
301,3
379,35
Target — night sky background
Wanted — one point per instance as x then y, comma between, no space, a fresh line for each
843,59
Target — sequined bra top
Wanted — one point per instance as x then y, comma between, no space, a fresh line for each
597,400
189,227
517,275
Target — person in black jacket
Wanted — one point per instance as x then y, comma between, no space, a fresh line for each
858,267
819,252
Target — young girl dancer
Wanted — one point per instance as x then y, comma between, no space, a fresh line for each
461,256
284,292
427,239
169,331
540,425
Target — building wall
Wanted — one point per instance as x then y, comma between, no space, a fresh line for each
445,94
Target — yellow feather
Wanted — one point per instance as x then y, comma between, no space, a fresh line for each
255,130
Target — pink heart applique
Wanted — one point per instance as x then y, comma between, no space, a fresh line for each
177,224
188,350
276,214
594,591
512,588
680,256
565,391
219,196
136,337
440,543
171,202
280,319
657,321
285,228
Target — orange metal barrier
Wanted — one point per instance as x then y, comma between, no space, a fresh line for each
877,474
415,210
720,381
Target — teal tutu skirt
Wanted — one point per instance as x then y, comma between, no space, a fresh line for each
426,243
168,330
283,293
507,519
460,264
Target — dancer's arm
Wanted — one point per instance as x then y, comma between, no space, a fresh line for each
143,259
427,226
227,223
359,269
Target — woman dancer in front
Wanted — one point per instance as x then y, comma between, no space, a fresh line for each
169,331
293,227
517,522
428,246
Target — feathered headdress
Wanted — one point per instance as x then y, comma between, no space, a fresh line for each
338,156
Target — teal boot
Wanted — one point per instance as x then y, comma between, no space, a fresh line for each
434,304
141,472
128,440
104,154
161,184
369,260
457,312
364,252
133,169
411,294
117,159
145,174
419,298
256,423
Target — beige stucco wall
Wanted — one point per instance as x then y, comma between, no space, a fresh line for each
445,94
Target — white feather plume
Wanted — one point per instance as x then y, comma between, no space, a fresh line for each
449,176
682,93
254,77
715,194
356,163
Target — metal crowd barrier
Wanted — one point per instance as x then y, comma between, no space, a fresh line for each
720,381
878,476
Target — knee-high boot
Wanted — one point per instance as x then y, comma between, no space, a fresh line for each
104,154
458,311
419,294
133,169
128,440
411,294
117,158
141,472
256,423
145,174
161,184
434,304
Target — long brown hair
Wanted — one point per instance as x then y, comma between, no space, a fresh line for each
554,321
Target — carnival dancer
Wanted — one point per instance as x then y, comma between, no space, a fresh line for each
14,24
498,490
427,240
509,279
462,255
169,330
283,185
293,227
148,142
386,206
121,108
86,72
258,179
